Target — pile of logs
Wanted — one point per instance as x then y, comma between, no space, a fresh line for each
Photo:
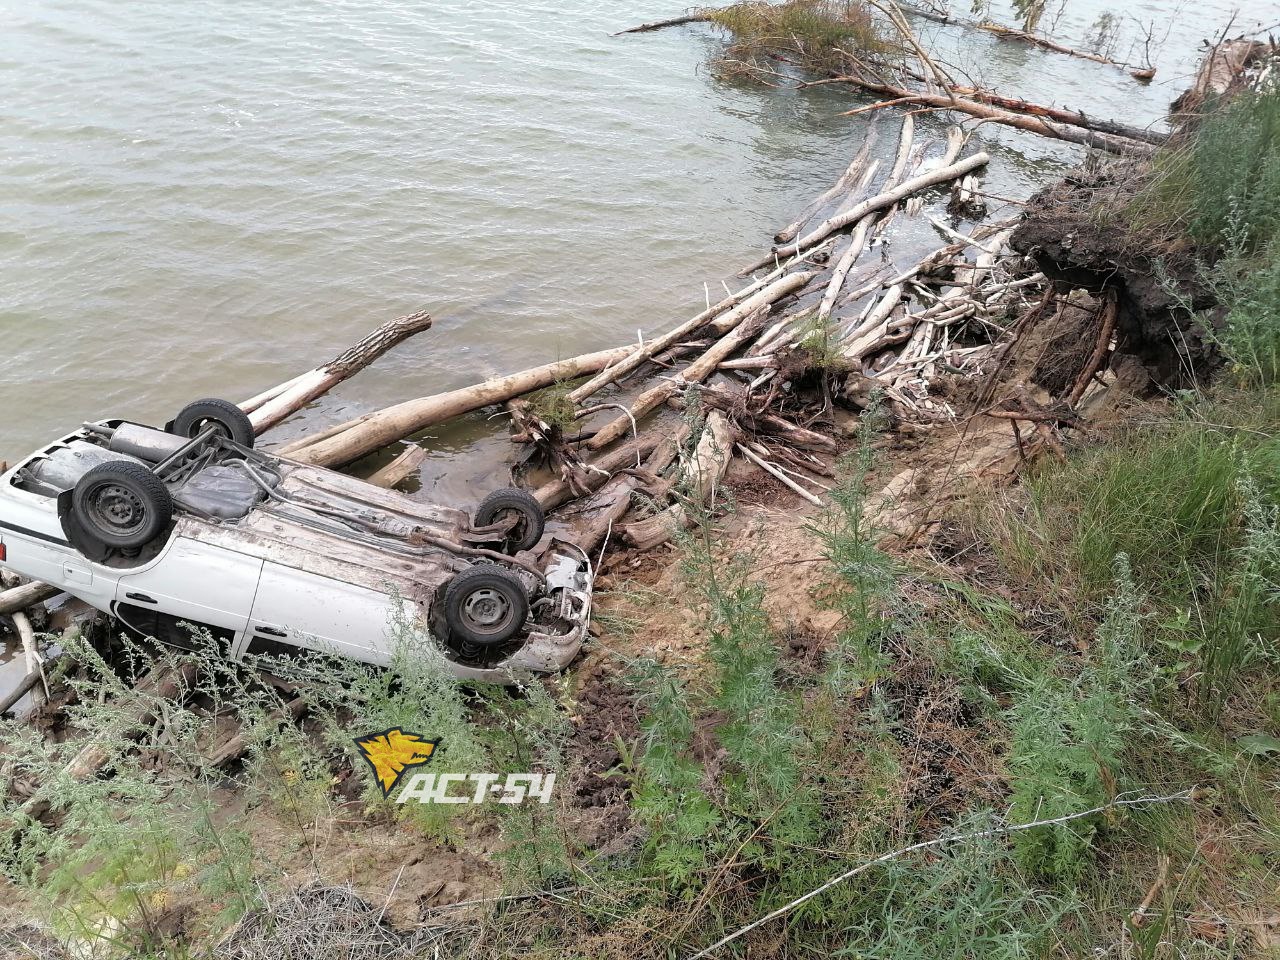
813,322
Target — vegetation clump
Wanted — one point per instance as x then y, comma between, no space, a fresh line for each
816,35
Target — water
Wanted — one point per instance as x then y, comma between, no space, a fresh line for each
205,198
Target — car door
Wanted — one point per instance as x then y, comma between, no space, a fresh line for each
195,582
319,613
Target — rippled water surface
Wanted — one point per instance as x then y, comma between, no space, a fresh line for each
201,197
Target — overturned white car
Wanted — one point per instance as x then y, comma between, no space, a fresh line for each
191,525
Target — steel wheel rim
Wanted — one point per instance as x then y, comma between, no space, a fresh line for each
116,508
487,610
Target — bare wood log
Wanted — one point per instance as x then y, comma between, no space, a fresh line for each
696,372
253,403
1220,72
859,239
401,468
796,436
322,379
31,653
858,340
237,745
21,690
162,683
593,520
27,595
738,306
159,684
698,17
555,492
847,179
701,477
883,201
376,430
1030,123
1073,118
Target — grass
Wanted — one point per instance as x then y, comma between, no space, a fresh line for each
1217,190
817,35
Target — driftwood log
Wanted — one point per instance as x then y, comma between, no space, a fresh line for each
29,594
852,174
1022,36
401,468
271,407
696,372
700,482
376,430
1034,121
883,201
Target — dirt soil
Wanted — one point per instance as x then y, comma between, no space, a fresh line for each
1076,247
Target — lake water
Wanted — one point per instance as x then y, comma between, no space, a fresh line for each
204,198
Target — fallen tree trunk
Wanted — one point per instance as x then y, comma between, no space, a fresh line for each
31,654
270,408
21,690
883,201
376,430
1030,123
29,594
859,239
237,745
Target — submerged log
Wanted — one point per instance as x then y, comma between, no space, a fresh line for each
848,179
401,468
270,408
883,201
697,17
1035,40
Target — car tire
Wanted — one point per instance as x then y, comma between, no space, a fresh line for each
233,423
485,605
122,504
532,518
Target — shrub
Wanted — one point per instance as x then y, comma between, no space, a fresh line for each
818,34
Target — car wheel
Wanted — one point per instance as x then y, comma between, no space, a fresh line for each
122,504
531,520
486,605
232,422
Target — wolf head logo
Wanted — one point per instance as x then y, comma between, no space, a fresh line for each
392,752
